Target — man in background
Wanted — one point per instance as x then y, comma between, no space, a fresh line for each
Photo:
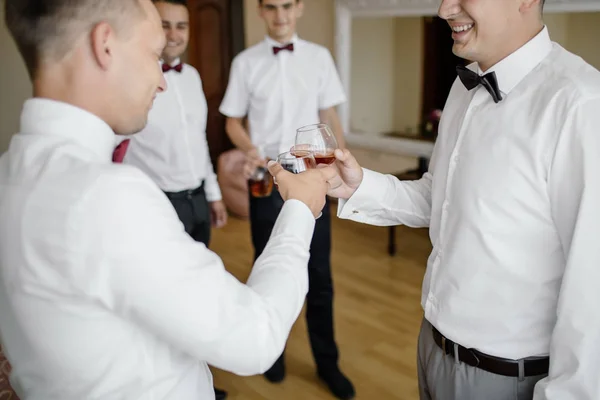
172,149
280,85
103,295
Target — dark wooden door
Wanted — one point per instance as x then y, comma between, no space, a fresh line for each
439,64
216,36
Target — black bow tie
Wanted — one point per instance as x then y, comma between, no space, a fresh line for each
471,80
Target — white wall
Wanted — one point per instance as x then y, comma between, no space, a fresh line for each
316,25
583,36
385,87
15,86
373,93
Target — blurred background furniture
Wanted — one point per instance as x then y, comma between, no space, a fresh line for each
6,391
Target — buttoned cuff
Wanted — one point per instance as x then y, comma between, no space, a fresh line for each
364,198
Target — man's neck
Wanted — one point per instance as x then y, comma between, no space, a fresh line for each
66,85
50,83
283,40
170,61
526,38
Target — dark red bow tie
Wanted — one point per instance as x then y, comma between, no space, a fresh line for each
289,47
166,67
120,150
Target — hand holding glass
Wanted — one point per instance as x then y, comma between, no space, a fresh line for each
261,183
297,162
318,139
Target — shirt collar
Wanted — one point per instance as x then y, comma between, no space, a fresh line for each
50,117
175,62
512,69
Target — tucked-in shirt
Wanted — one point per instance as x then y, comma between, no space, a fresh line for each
172,149
103,295
281,93
512,200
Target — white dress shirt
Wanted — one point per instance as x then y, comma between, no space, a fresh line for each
512,199
172,149
102,293
281,93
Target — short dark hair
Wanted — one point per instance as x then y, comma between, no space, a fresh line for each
46,29
260,2
178,2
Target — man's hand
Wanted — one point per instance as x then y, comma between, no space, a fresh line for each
218,214
253,161
344,176
308,187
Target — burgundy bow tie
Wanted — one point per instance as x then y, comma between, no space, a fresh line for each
166,67
289,47
120,150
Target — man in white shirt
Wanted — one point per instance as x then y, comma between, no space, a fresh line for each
172,149
103,295
280,85
512,196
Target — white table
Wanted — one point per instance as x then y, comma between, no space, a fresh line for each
395,145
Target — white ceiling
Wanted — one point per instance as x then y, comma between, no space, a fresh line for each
429,7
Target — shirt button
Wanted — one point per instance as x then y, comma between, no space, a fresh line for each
456,158
354,211
446,204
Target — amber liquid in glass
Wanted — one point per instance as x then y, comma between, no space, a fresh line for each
328,158
261,187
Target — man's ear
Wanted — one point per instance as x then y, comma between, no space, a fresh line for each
529,5
102,44
299,9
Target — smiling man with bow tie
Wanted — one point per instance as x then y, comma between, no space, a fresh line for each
280,85
511,198
172,149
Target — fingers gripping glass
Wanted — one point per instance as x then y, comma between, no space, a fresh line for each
297,161
320,140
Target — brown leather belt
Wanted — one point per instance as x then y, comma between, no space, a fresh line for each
495,365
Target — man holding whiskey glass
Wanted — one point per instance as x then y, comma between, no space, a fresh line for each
281,84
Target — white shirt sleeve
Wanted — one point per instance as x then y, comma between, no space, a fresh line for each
331,91
384,200
574,191
211,184
237,95
150,272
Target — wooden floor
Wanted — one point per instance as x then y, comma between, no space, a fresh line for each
377,315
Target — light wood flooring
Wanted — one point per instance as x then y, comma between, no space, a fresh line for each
377,314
